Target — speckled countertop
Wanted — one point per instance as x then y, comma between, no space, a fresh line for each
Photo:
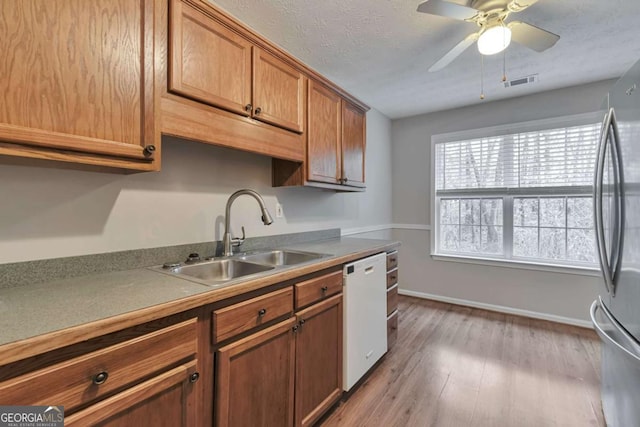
31,313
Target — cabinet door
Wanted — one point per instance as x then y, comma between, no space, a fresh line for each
323,134
77,79
166,400
255,379
318,360
278,92
353,145
209,63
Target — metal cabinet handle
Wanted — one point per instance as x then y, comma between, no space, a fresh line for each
100,378
262,312
393,277
194,377
248,107
324,290
258,111
394,259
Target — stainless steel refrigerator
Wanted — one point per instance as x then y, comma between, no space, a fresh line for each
616,313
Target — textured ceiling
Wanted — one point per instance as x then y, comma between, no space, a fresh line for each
380,50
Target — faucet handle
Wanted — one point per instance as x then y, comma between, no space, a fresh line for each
238,241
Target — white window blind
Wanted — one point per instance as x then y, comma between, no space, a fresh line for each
520,195
546,158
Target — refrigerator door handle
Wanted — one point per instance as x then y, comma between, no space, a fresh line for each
619,202
597,205
606,337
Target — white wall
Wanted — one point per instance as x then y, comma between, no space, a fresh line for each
49,212
550,294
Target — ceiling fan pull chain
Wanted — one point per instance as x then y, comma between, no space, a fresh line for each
504,65
481,76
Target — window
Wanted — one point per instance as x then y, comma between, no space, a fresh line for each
521,193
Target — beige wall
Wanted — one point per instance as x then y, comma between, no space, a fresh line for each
49,213
549,294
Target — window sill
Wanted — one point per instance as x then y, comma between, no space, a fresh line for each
523,265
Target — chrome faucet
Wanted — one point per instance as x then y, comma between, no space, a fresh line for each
227,240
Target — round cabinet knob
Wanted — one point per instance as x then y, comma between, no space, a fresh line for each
194,377
262,312
149,150
324,290
345,180
248,107
100,378
258,111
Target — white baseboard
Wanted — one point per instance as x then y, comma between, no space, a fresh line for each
499,308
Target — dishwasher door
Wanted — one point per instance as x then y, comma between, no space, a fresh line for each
365,316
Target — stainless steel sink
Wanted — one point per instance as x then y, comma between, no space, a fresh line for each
220,270
281,257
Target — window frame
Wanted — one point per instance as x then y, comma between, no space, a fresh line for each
508,195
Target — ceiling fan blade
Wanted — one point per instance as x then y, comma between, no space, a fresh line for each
448,9
531,36
520,5
454,53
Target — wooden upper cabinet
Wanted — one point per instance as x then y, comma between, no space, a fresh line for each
353,145
278,92
209,62
77,81
323,134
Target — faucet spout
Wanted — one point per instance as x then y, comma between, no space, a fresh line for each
229,242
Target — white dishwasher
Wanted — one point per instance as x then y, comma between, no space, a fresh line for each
365,316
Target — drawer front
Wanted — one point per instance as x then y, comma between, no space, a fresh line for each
392,260
392,299
94,375
392,277
392,329
251,314
318,288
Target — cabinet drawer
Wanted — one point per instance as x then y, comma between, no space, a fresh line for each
315,289
392,329
392,299
392,277
392,260
250,314
95,375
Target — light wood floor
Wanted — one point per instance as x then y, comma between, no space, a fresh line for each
464,367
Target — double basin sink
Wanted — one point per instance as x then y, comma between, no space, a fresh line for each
217,272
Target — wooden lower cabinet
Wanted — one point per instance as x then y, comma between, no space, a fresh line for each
166,400
286,374
255,379
318,360
150,374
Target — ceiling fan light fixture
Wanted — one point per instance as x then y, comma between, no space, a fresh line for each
494,40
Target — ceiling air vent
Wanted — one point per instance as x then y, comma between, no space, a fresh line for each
521,81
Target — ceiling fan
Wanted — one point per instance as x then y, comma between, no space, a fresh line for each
494,35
